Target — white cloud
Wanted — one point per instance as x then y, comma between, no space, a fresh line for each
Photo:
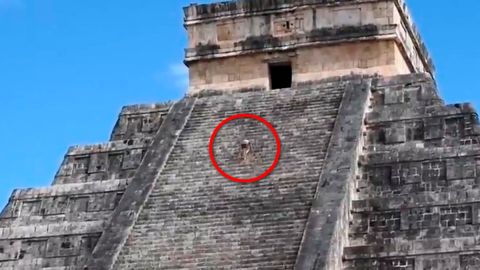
179,72
176,76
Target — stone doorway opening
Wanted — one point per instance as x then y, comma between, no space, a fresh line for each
280,75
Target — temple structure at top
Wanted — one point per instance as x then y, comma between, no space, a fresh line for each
269,44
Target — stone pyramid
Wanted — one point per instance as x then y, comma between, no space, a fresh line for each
375,172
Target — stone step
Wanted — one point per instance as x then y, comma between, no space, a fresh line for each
58,263
418,200
417,196
367,191
58,229
60,203
428,233
55,245
411,153
70,189
399,113
189,208
108,147
402,247
139,121
92,163
60,216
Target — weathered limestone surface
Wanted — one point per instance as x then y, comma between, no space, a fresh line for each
132,203
417,194
56,228
243,71
375,171
197,219
398,188
325,235
362,36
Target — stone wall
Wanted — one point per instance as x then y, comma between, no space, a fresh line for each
58,227
417,195
139,121
225,31
218,41
195,218
308,64
398,188
326,231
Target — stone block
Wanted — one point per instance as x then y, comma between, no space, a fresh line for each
98,163
461,168
434,129
406,173
469,261
455,127
132,159
396,133
434,171
393,96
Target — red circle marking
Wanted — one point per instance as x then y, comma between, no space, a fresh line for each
240,116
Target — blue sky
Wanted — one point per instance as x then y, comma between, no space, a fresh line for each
67,68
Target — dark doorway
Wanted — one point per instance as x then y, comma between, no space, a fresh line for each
280,75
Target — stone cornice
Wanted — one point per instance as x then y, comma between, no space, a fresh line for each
323,36
195,12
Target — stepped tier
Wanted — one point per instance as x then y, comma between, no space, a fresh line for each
417,194
374,173
57,227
